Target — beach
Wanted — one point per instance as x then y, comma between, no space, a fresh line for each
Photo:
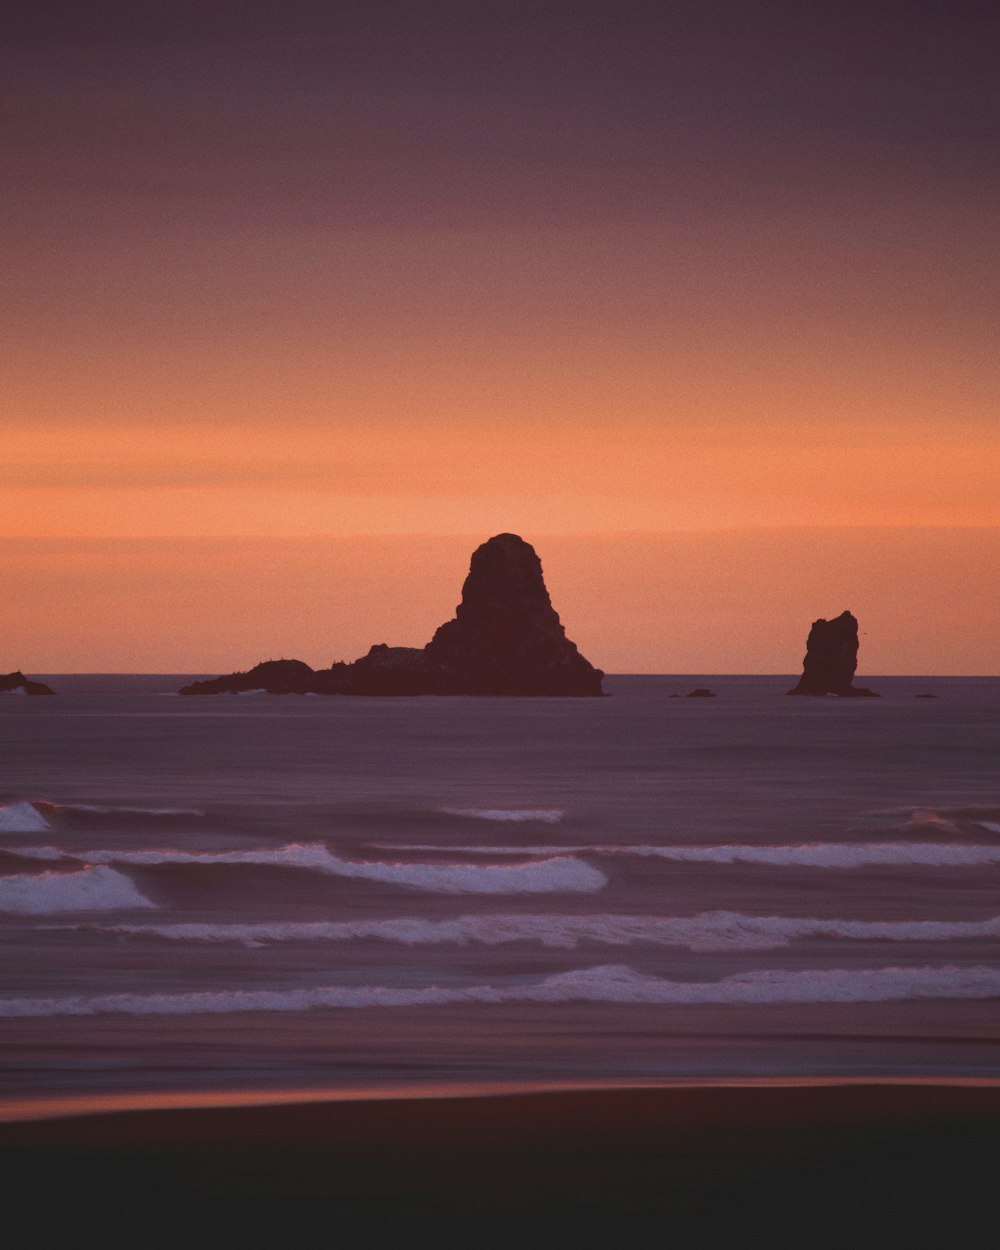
779,1163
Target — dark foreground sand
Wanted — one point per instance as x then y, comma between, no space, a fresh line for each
782,1165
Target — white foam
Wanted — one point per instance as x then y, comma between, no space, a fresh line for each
21,818
556,874
259,690
16,690
612,983
989,826
47,893
512,815
707,931
801,855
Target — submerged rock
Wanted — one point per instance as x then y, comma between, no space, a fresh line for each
831,659
505,639
17,683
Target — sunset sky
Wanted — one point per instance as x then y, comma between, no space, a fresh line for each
304,301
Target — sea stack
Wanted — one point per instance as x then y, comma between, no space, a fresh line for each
506,639
17,683
831,659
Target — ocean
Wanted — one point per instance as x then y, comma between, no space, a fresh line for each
256,894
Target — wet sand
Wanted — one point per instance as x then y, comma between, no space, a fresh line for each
879,1165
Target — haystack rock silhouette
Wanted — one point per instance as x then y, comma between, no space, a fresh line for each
506,639
831,659
17,683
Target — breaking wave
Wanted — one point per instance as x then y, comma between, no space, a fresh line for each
22,818
90,889
834,854
973,811
109,809
543,815
707,931
802,855
614,983
555,874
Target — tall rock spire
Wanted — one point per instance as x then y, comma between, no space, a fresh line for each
831,659
506,638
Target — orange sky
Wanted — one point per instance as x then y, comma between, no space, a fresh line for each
696,602
700,303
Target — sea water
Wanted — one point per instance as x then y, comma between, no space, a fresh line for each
260,893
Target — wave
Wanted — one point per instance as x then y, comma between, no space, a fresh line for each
90,889
972,811
707,931
834,854
555,874
108,809
613,983
944,819
22,818
543,815
799,855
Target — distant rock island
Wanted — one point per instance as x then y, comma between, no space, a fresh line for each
831,659
506,639
17,683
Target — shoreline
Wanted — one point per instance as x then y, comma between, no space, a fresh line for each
76,1106
805,1163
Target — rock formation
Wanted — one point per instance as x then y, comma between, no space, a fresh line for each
831,659
505,639
273,676
17,683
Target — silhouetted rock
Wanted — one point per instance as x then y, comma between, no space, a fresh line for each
384,670
926,696
17,683
506,639
273,676
831,659
701,693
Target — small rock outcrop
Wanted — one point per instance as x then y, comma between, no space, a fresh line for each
273,676
17,683
831,659
384,670
505,639
701,692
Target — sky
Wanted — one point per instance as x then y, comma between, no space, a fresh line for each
304,302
